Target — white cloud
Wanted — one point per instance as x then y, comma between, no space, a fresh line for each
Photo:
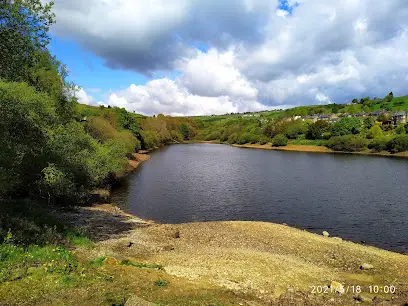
259,56
168,97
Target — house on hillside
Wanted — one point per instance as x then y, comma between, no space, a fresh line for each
311,117
399,117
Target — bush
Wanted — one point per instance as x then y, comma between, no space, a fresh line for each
347,143
233,138
279,140
150,139
400,129
264,140
346,126
100,129
379,144
398,144
374,132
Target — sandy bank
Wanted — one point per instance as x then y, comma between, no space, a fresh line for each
260,263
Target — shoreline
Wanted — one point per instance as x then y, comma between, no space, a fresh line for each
304,148
262,262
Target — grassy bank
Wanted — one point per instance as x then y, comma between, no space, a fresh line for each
102,256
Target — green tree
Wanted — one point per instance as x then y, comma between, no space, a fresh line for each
368,123
375,132
346,126
185,131
24,26
279,140
400,129
347,143
316,130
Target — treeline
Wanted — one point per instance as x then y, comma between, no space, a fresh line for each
349,134
52,148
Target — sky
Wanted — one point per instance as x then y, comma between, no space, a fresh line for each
202,57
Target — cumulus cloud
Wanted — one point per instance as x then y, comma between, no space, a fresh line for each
262,54
171,98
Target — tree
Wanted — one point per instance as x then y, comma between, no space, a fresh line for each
347,143
346,126
316,130
389,97
368,123
279,140
24,26
383,118
185,131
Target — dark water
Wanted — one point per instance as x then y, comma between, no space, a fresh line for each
359,198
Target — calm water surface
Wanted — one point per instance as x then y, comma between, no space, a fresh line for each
359,198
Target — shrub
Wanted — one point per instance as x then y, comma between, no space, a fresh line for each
346,126
150,139
264,140
347,143
379,144
374,132
400,129
398,144
100,129
233,138
279,140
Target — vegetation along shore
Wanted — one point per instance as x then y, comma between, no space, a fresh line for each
57,157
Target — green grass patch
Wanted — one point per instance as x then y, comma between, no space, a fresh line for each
308,142
127,262
79,240
98,262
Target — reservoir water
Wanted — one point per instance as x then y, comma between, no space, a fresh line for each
358,198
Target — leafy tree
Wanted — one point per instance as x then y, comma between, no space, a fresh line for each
379,144
24,26
383,118
374,132
346,126
347,143
368,123
389,97
279,140
398,144
400,129
316,130
185,131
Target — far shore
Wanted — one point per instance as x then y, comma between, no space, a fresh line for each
304,148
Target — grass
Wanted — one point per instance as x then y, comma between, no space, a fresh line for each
308,142
79,240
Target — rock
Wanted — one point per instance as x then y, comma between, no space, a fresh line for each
337,287
130,244
366,266
325,234
137,301
362,298
177,234
337,238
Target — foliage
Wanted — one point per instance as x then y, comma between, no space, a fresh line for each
374,132
347,143
23,36
379,144
400,129
279,140
398,144
346,126
316,130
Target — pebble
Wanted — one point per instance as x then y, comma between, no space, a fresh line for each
325,234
